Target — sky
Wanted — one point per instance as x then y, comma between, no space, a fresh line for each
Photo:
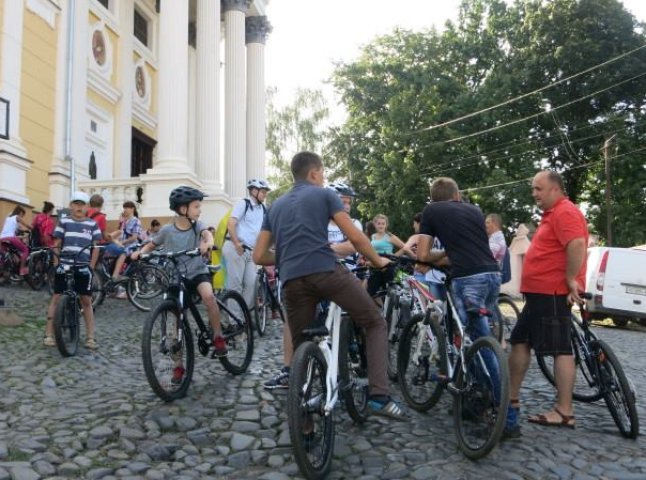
309,35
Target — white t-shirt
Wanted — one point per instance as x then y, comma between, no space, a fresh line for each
334,233
10,227
249,223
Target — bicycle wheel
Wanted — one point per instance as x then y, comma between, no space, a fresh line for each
509,313
262,305
66,325
353,371
618,391
393,316
98,289
167,352
421,363
586,386
237,330
37,271
311,431
146,287
482,397
51,275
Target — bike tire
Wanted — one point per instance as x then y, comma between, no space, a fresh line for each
98,289
37,272
353,371
146,286
475,400
420,364
586,385
261,306
509,313
238,332
162,352
305,409
618,391
66,325
391,310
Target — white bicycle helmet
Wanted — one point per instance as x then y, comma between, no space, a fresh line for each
260,184
343,189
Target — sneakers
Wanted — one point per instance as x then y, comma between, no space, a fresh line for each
512,428
220,346
91,344
280,380
386,407
49,341
178,375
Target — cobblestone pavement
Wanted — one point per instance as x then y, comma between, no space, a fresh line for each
94,416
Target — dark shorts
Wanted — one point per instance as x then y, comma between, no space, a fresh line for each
82,280
544,324
192,283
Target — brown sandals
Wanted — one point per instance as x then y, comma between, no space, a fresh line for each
567,421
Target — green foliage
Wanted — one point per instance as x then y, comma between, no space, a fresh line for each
406,81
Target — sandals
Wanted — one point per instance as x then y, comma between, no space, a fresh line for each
567,421
91,344
48,341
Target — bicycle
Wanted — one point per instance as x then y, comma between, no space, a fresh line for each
68,310
599,374
508,313
9,263
168,351
436,354
144,281
327,366
39,262
267,300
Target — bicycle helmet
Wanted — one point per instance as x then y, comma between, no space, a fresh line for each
343,189
260,184
183,195
79,196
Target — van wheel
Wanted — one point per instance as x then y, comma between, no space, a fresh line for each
620,321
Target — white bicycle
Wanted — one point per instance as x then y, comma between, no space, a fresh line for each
328,366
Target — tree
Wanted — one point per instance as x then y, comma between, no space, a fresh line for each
406,82
291,129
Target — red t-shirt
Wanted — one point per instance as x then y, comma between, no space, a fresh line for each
99,218
546,260
45,226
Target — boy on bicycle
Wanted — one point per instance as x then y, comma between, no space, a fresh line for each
75,233
187,233
297,223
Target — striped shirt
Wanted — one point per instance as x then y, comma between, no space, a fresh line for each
76,236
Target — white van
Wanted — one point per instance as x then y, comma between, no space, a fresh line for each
616,277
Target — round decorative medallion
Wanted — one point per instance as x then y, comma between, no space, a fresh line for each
140,81
98,47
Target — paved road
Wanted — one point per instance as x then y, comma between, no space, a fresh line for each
94,416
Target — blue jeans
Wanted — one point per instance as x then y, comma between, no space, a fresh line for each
470,295
438,290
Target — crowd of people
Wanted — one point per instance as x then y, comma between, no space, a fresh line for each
307,230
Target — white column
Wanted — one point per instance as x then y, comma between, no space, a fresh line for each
208,94
126,68
235,101
172,129
13,162
257,29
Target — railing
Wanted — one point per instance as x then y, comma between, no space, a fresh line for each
115,192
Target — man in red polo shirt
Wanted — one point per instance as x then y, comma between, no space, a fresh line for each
553,276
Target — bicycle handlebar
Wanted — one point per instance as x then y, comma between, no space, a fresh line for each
189,253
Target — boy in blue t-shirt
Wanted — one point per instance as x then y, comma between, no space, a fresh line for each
74,235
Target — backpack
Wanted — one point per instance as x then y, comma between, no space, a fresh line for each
221,232
505,269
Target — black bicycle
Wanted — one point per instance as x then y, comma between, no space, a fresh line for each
39,262
267,300
167,344
67,325
599,374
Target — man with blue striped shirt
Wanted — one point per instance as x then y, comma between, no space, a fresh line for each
73,236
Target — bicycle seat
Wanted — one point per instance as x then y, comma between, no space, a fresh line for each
321,331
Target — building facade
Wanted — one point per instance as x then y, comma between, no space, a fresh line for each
129,99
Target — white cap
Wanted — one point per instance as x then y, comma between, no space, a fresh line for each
79,196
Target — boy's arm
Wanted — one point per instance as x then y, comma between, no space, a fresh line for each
145,249
206,242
